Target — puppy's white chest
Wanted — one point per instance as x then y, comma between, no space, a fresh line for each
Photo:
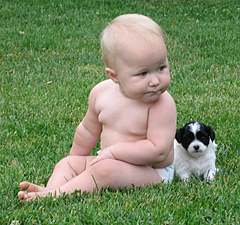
199,165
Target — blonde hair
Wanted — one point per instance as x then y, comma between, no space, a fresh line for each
133,25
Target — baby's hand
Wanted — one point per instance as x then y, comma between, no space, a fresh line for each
103,154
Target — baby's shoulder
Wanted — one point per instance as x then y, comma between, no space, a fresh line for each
165,100
103,86
164,106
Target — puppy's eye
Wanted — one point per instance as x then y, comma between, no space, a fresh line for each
203,138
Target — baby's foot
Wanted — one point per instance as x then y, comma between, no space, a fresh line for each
30,191
30,187
22,195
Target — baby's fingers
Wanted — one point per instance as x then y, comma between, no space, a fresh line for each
95,160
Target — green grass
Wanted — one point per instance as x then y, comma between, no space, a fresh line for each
50,60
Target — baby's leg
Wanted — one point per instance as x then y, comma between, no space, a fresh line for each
65,170
106,173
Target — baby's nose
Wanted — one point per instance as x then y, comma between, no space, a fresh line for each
154,81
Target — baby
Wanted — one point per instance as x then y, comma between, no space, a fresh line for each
131,112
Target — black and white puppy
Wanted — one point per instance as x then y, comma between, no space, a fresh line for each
194,151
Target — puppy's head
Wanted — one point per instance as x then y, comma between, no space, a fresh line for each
195,137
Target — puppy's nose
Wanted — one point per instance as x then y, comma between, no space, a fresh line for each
196,147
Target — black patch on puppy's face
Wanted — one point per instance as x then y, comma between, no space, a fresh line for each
186,135
203,137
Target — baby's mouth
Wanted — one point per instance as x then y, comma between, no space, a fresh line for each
154,91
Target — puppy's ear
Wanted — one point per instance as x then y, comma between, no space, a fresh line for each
179,134
210,132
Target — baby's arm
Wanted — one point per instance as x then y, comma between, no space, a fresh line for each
88,131
159,142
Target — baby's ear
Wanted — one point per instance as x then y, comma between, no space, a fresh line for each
112,74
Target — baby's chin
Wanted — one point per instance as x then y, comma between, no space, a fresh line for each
152,100
151,97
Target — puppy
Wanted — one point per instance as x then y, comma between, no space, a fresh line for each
194,151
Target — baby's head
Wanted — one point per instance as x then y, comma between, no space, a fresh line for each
127,26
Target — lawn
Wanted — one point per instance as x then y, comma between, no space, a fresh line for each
50,60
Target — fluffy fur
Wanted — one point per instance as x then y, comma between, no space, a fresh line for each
194,151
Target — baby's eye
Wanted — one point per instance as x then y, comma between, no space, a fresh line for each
143,74
160,68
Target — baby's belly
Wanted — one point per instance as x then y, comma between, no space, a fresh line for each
112,136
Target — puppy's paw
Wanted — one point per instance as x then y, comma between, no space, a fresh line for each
185,177
209,175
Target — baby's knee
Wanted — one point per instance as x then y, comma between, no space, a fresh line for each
106,168
63,162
